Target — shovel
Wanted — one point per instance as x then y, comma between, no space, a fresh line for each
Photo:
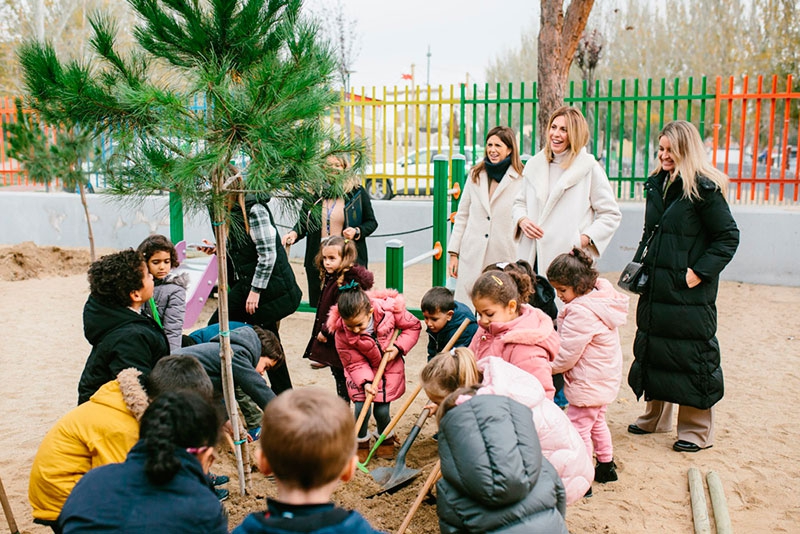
407,403
393,478
376,380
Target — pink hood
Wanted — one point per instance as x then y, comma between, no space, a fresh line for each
360,354
591,354
529,342
561,443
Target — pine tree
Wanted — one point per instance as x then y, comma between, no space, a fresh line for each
53,153
263,75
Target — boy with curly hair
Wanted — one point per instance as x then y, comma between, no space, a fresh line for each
120,336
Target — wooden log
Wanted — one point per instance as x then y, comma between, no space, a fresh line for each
697,493
718,503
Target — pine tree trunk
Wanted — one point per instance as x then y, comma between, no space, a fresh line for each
559,34
225,353
82,190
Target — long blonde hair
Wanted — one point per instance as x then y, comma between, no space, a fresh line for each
447,372
690,159
577,134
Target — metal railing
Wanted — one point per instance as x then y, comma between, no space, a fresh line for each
750,134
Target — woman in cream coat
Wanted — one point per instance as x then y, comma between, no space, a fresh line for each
483,231
566,200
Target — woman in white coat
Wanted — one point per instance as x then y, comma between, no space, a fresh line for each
483,231
566,200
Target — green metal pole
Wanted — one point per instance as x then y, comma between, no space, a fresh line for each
394,264
439,272
175,218
459,177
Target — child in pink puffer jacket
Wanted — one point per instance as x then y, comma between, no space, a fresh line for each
511,329
363,324
590,355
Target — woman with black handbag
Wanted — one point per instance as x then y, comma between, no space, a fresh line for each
689,237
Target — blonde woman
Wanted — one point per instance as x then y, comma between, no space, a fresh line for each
327,218
690,236
566,200
483,232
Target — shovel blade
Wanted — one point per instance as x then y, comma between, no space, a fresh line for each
399,478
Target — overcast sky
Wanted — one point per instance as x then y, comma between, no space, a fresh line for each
464,35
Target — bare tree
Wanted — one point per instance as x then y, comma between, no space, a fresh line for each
587,56
342,32
559,33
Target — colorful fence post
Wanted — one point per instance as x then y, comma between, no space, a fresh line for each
439,273
175,218
394,264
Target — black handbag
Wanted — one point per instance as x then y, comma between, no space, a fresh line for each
634,277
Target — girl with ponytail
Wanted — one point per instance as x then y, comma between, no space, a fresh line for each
161,487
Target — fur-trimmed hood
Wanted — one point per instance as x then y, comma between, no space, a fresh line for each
133,393
174,277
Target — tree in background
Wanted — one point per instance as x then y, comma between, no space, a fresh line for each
263,76
587,56
559,33
342,32
57,153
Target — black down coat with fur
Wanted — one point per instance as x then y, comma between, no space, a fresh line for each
677,356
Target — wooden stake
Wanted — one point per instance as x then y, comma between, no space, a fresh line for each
12,524
376,383
718,503
436,472
698,496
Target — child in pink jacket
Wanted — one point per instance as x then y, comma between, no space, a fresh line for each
363,324
590,355
509,329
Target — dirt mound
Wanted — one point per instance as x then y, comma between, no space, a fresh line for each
27,260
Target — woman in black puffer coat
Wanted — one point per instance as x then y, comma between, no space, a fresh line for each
692,237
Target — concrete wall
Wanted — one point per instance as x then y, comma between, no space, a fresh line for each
769,252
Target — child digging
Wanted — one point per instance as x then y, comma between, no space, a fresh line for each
364,324
337,265
590,356
309,449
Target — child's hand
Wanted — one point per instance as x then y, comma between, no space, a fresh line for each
321,338
391,352
431,407
370,389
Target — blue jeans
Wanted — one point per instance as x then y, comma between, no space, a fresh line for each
382,417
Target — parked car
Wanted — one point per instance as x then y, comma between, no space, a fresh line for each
411,174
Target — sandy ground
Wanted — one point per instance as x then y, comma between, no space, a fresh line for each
756,453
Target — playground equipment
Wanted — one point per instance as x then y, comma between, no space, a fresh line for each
441,217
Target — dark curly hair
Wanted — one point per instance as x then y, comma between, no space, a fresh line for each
522,273
158,243
574,269
113,277
176,420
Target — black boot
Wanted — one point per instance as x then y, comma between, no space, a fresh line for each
605,472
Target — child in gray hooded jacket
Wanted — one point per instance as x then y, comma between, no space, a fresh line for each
509,486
